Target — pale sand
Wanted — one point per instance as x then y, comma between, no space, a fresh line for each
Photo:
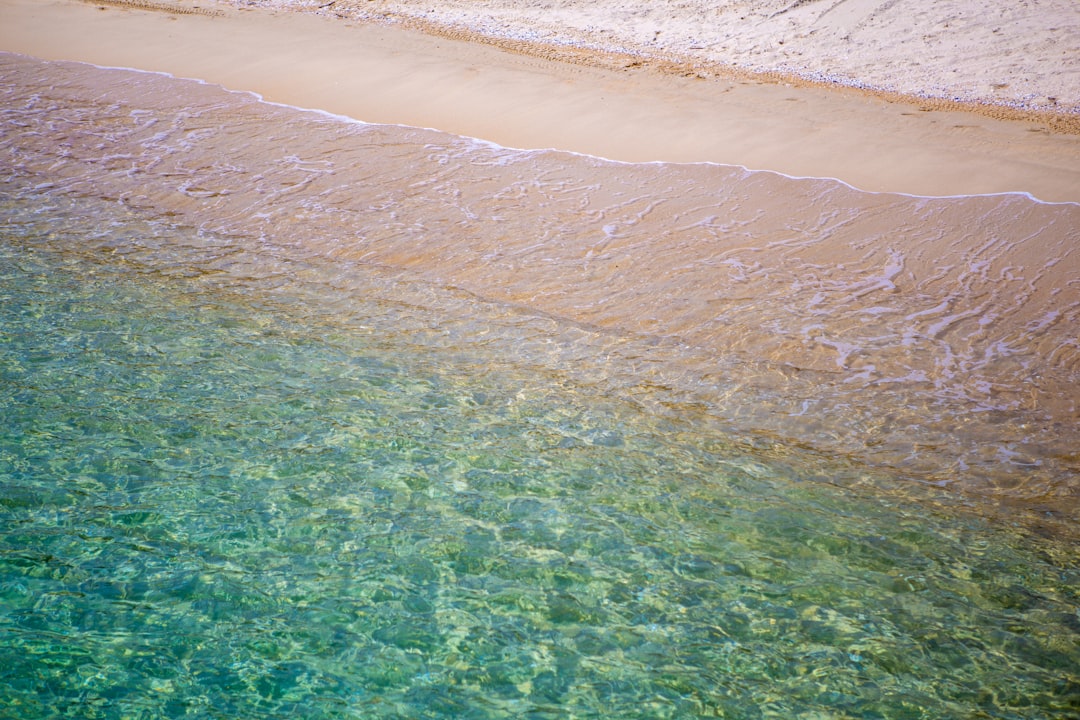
1019,52
393,74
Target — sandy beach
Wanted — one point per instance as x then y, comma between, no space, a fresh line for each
539,88
965,300
539,359
1002,53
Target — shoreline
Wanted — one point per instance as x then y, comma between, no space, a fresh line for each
682,293
518,98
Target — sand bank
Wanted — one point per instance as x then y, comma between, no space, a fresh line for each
391,74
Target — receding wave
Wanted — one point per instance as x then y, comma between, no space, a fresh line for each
934,336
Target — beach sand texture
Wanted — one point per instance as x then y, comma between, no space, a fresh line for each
1023,54
646,103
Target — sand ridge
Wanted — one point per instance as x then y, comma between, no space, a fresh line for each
171,8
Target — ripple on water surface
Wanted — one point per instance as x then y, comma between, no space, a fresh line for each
932,336
230,496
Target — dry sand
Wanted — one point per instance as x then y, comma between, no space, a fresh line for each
519,90
1024,53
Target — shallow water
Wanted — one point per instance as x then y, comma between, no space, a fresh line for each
249,470
935,337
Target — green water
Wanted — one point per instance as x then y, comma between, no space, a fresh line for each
219,499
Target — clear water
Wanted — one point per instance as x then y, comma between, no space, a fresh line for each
228,494
305,418
935,337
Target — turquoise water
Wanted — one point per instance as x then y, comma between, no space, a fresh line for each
228,493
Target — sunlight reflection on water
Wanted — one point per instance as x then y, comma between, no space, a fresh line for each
229,493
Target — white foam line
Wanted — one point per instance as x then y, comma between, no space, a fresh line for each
347,119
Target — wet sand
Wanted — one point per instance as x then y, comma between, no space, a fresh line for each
602,106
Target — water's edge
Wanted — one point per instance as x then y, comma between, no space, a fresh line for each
305,418
929,336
